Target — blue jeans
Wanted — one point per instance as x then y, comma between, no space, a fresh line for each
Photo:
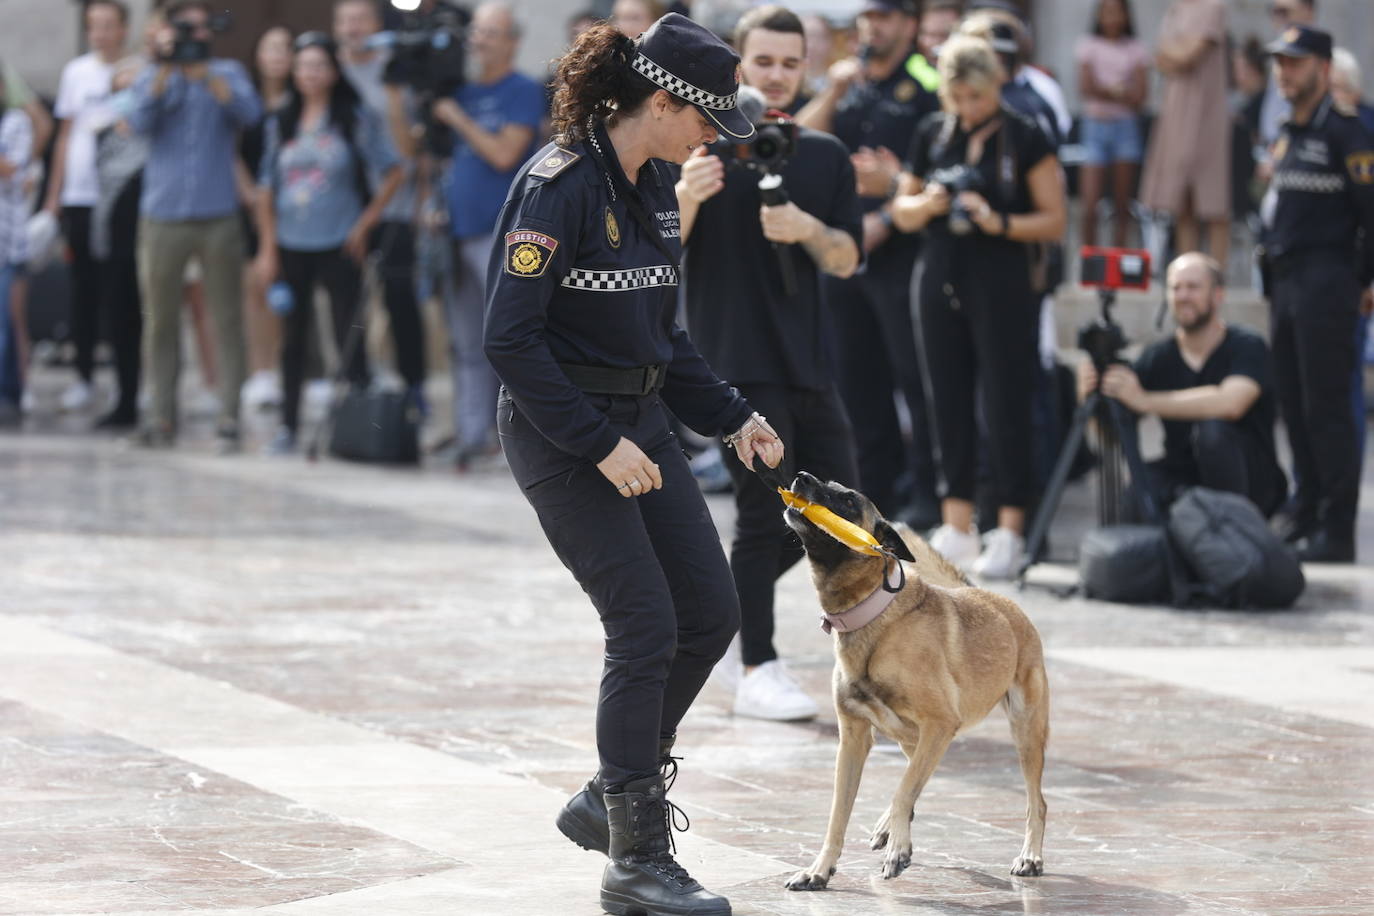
1117,140
11,389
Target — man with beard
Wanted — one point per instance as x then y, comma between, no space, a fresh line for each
1320,202
1213,387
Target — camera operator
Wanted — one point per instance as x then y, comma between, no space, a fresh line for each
1213,386
494,119
356,21
989,184
873,106
191,107
772,345
1320,200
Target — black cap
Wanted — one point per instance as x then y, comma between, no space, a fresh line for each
1004,39
1302,41
690,62
890,6
1004,6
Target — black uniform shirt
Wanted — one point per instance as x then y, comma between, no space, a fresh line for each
746,326
1322,193
885,113
575,279
1241,352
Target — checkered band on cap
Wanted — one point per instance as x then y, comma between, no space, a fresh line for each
680,87
620,280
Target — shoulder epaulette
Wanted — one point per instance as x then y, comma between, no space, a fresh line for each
554,163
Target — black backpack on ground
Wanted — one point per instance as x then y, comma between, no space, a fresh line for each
1235,560
1126,563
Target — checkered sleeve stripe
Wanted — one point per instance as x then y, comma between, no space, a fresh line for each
681,88
1310,182
619,280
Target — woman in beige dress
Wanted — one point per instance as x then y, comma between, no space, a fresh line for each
1188,167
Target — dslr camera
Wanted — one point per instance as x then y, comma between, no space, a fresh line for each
956,179
186,47
775,140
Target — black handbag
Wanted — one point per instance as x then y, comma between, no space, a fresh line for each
376,426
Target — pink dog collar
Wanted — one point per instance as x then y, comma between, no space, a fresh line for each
861,614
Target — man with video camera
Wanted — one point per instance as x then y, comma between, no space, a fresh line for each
1212,385
191,107
754,264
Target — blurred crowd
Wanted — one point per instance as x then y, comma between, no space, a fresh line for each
342,165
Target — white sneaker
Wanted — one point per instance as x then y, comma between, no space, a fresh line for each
961,548
262,390
1003,552
77,397
769,692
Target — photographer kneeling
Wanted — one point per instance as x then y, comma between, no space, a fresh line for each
988,184
754,309
1212,385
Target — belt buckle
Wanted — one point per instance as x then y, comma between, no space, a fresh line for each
650,377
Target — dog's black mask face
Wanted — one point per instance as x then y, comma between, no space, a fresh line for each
848,504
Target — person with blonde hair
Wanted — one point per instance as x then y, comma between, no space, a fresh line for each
984,184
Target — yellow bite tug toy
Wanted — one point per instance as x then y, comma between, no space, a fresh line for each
842,530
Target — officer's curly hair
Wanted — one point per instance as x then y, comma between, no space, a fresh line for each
594,80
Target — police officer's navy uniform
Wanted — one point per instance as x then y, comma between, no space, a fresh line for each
1319,252
875,340
581,329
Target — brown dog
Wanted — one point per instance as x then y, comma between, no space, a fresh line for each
934,662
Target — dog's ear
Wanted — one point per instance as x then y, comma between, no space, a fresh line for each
890,538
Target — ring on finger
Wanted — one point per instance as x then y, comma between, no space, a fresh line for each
635,483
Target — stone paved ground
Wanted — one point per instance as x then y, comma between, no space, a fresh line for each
245,684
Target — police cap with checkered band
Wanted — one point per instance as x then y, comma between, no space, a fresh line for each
691,63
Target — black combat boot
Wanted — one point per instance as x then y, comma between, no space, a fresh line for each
583,818
643,878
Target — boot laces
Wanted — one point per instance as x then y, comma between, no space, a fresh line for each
663,847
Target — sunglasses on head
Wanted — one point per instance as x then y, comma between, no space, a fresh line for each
313,40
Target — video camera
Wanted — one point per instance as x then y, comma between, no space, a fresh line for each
775,140
1108,270
428,55
956,179
186,47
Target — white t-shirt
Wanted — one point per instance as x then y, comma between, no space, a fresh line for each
81,96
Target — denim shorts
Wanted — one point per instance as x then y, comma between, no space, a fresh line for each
1117,140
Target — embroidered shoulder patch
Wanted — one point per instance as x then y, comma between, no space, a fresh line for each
1361,167
554,163
528,253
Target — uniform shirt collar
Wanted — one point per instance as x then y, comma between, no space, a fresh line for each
1318,119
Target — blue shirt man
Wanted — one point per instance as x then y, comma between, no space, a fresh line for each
192,124
495,119
191,108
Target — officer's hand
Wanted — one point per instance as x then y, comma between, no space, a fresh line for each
1121,383
788,224
757,439
629,470
1087,379
703,175
875,170
844,72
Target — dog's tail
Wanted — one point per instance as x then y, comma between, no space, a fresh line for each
931,565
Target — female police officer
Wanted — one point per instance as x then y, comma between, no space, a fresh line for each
580,328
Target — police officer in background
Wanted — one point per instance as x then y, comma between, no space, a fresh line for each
873,106
754,308
580,328
1319,256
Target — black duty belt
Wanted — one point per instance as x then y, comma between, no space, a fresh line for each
639,381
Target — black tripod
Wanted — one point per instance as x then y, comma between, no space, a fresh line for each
1118,443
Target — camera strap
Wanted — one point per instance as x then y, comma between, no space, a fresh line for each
632,200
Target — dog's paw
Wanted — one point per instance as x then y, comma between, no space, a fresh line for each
808,880
896,862
1028,866
880,831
